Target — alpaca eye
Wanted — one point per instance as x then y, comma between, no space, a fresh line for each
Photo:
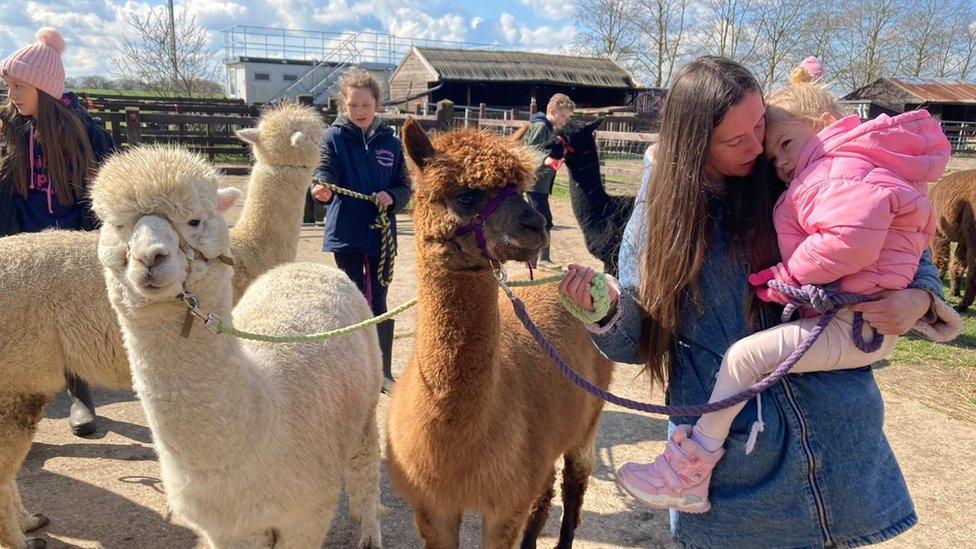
194,222
468,199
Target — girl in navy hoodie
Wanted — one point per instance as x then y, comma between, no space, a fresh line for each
360,153
49,148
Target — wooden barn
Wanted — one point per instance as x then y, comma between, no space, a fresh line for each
511,78
947,100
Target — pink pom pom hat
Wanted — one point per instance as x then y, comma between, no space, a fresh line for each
39,64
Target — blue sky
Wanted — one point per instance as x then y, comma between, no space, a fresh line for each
93,28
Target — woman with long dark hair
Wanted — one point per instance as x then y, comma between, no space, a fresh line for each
822,473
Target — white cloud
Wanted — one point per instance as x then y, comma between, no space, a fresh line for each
552,9
412,24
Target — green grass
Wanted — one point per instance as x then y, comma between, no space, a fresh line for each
961,353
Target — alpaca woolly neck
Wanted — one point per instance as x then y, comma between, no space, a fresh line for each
197,395
457,335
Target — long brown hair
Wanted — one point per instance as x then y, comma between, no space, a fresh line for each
68,157
677,205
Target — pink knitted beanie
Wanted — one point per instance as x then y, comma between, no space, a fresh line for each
39,64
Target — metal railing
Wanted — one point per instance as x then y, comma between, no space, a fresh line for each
307,45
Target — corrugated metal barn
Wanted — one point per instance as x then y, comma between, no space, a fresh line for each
511,78
950,100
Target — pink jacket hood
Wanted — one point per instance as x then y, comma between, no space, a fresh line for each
857,211
910,145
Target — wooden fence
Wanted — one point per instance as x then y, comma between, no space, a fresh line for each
210,129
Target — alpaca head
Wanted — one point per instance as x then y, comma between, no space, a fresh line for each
580,141
162,224
454,178
288,134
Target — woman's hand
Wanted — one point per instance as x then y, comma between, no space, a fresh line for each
384,200
896,311
321,193
575,286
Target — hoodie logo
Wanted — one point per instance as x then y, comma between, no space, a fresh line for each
385,158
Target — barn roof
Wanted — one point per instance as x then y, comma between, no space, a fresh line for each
938,91
920,90
521,66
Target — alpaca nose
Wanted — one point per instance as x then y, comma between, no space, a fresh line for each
531,219
153,257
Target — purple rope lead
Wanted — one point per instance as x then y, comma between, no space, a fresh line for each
825,297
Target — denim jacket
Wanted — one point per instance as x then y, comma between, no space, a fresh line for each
822,473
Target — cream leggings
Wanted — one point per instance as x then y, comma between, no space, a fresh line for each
753,357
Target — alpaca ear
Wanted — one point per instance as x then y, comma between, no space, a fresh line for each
251,135
227,197
519,133
415,143
299,139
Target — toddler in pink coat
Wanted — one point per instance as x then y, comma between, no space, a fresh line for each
855,212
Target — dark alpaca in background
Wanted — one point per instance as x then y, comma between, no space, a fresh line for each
601,216
954,200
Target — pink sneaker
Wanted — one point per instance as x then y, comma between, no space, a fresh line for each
677,479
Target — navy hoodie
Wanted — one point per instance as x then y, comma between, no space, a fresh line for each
37,211
366,162
539,133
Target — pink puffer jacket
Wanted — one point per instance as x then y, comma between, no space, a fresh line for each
858,210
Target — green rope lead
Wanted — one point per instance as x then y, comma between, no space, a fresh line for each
382,223
225,328
598,289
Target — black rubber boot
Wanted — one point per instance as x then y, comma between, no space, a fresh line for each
82,416
385,332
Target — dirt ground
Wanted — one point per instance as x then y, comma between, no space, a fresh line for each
105,491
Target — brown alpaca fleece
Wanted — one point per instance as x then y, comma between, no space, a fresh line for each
954,199
480,416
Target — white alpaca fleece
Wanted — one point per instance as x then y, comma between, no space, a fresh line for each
254,439
56,315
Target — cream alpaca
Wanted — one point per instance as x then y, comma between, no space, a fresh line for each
254,439
57,317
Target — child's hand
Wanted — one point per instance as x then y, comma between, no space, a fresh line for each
575,286
321,193
779,273
384,200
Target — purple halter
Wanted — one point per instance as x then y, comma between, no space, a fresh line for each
478,221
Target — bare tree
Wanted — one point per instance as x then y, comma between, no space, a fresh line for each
868,40
967,50
606,27
149,58
728,28
925,41
662,26
785,31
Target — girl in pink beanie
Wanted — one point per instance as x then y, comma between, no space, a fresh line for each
49,149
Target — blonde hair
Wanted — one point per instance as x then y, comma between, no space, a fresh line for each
358,78
560,101
804,101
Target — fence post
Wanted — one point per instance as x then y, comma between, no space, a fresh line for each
132,131
513,114
445,114
532,107
481,110
210,143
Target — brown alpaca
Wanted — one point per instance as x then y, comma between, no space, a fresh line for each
480,415
954,199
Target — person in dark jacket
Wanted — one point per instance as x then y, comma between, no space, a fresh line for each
539,135
360,153
49,149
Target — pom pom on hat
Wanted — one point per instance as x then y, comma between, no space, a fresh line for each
49,36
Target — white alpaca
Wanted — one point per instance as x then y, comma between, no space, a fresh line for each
56,316
253,439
